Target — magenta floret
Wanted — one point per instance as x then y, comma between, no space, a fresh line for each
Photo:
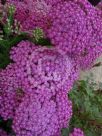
77,132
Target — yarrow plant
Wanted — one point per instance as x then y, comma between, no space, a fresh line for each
43,46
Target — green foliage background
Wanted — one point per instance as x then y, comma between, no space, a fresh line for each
87,109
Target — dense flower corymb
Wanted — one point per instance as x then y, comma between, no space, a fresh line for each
78,31
45,76
37,115
44,67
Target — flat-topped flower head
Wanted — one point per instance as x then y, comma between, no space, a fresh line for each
76,29
40,116
44,67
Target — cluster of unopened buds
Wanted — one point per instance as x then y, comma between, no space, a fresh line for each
38,34
16,27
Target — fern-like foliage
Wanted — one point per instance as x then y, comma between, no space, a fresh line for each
87,109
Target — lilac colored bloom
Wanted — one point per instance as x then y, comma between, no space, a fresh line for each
78,31
77,132
42,67
40,116
3,133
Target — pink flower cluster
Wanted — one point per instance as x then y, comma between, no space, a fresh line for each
77,30
44,67
77,132
34,90
38,115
